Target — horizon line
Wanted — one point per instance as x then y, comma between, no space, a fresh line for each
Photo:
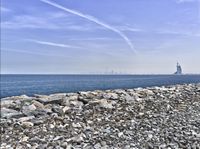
99,74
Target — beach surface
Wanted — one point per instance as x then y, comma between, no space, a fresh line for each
154,117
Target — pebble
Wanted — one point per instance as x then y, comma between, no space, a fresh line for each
120,134
27,124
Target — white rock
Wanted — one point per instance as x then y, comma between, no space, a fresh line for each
57,138
22,119
120,134
195,134
51,126
8,113
28,145
97,146
28,109
113,96
77,125
129,98
84,93
24,139
77,139
74,97
66,108
38,104
72,100
141,114
150,136
27,124
6,102
76,103
105,104
149,92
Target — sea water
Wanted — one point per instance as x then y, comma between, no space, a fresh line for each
12,85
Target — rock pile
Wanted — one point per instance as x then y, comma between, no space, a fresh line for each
156,117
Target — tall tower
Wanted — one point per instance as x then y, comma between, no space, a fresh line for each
178,69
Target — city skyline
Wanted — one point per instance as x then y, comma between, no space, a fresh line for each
67,37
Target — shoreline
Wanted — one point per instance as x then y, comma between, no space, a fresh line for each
151,117
30,85
103,90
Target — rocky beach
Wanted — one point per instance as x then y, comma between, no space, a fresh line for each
153,117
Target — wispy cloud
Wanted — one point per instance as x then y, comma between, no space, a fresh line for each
31,52
89,49
194,34
199,10
128,28
29,21
49,20
3,9
52,44
184,1
94,39
93,19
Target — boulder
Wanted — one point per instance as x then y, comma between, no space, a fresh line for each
51,99
38,104
23,119
28,109
10,113
6,102
112,96
27,124
103,103
66,100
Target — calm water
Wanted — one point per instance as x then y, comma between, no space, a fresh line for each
46,84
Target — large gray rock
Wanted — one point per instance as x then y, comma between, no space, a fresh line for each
38,104
15,101
27,109
103,103
72,101
112,96
26,124
10,113
51,99
27,118
134,96
6,103
129,98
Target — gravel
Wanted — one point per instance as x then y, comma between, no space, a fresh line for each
154,117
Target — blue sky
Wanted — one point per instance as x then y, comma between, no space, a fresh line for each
98,36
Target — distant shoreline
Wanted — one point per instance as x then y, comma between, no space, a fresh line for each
149,87
105,74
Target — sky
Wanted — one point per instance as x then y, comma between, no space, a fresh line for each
99,36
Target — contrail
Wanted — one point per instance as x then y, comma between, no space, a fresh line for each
62,45
53,44
93,19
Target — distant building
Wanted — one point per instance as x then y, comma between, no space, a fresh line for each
178,69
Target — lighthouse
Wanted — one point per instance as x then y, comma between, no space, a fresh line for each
178,69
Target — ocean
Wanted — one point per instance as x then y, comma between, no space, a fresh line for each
14,85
